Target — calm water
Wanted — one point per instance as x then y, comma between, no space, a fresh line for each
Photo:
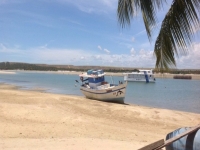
173,94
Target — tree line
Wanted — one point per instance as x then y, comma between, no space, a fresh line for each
42,67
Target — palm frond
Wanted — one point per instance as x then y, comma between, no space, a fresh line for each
176,32
127,9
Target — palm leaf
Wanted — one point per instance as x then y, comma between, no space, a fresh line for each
176,32
129,8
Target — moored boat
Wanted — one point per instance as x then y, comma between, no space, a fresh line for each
182,77
95,87
140,76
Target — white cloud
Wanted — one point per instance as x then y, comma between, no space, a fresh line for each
44,46
5,50
2,46
114,56
132,51
196,29
142,59
107,51
192,59
98,57
99,47
82,57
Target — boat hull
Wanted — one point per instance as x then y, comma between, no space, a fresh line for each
139,80
113,94
143,79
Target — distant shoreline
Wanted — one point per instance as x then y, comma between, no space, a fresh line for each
157,75
170,76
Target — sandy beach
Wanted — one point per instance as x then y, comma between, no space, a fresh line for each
38,120
7,72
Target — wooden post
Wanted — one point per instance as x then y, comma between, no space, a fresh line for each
153,145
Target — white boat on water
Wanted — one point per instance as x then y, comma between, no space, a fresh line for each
140,76
94,86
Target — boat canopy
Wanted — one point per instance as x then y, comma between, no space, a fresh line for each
141,72
93,73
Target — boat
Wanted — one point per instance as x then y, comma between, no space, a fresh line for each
94,86
140,76
182,77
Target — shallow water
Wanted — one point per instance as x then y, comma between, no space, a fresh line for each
172,94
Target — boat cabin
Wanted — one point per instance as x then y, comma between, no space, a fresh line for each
140,75
145,71
95,78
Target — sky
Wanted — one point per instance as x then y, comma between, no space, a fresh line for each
79,32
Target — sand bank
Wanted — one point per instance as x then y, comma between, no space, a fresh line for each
7,72
37,120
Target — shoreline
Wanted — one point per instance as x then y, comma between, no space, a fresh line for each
55,121
7,72
158,75
41,90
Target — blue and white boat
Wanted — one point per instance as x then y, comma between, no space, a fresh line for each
95,87
140,76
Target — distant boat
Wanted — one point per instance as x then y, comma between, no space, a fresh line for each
140,76
94,86
182,77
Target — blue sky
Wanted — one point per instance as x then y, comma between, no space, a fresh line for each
78,32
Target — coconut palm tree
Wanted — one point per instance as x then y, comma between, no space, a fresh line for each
177,28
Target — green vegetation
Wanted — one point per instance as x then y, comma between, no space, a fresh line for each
44,67
24,66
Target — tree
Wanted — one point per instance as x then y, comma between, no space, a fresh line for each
177,28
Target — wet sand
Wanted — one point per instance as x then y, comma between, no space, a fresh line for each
39,120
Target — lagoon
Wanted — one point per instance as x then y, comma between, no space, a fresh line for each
182,95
